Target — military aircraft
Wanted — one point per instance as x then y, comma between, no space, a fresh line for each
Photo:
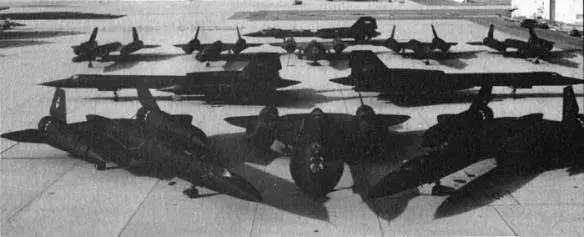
535,47
422,50
210,52
369,73
7,24
524,144
259,78
141,143
314,50
321,142
363,29
89,50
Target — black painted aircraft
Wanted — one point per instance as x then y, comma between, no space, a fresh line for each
321,142
258,79
369,73
535,47
363,29
160,143
7,24
90,51
422,50
314,50
210,52
521,144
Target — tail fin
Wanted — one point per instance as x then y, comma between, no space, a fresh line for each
479,108
434,32
490,35
93,35
570,108
238,34
59,106
197,33
135,34
146,99
362,61
392,32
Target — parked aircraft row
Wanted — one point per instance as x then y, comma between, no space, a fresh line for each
166,145
536,48
260,78
90,50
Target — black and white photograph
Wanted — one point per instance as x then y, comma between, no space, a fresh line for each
254,118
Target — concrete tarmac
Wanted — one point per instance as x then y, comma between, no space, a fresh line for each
44,192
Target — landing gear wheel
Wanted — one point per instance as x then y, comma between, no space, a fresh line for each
427,62
536,61
208,64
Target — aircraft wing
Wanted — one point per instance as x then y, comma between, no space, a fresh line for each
288,126
232,46
515,79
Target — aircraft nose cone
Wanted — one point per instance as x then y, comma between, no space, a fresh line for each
253,34
343,81
66,83
234,185
286,83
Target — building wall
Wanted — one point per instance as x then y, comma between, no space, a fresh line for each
531,8
567,11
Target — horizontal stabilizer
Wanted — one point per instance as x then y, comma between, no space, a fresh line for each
391,119
183,118
241,121
28,135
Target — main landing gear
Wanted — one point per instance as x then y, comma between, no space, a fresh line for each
116,96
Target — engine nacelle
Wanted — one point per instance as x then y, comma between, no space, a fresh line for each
84,47
339,46
262,134
58,135
178,126
317,165
193,45
289,45
393,45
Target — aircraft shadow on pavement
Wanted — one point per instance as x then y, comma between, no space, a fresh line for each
500,182
293,98
36,34
129,61
400,146
457,97
559,58
20,43
276,191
